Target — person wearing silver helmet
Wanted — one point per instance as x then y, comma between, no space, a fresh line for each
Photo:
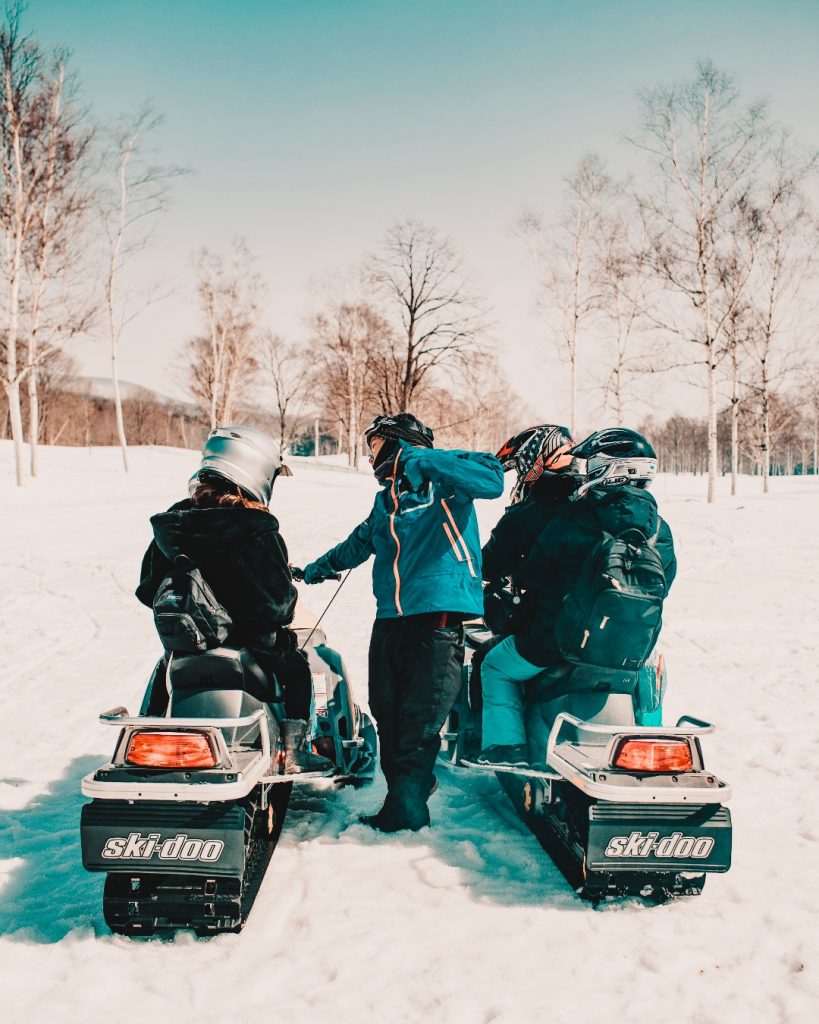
582,492
227,530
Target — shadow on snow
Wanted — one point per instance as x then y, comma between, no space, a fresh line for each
475,830
48,894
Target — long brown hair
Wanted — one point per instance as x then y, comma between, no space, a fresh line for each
216,492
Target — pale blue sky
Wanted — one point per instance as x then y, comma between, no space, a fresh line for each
310,125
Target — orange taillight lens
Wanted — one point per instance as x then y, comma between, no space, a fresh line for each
654,756
170,750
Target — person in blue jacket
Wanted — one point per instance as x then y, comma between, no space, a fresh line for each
423,533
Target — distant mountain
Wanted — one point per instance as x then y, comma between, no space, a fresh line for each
103,387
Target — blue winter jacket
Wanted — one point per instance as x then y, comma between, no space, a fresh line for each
424,534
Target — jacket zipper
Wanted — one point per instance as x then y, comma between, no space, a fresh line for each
393,514
464,548
455,547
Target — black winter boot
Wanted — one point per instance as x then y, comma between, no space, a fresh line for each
404,808
298,757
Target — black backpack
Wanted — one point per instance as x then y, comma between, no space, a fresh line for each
187,615
612,615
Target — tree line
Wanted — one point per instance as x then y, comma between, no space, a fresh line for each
700,266
78,202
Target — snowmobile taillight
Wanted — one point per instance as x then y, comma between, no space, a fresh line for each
170,750
647,755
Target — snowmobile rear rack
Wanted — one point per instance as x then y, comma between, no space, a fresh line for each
582,753
235,775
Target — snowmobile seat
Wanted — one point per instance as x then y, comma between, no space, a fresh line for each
224,668
558,680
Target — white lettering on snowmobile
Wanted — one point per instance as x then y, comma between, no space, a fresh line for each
676,845
135,846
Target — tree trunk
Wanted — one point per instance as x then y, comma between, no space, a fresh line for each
766,445
123,444
734,445
712,423
573,397
16,424
33,419
734,420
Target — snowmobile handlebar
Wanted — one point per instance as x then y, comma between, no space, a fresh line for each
298,575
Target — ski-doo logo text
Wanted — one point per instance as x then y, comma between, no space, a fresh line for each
674,846
135,846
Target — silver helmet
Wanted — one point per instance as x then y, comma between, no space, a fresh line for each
245,456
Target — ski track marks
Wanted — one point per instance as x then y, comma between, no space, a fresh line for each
466,922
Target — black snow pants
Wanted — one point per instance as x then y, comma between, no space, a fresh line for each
415,676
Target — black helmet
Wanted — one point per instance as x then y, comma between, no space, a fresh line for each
615,455
402,426
533,452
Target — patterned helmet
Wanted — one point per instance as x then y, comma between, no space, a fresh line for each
533,452
245,456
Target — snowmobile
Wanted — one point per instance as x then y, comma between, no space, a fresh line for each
622,809
185,817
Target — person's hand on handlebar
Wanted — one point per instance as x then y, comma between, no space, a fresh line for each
309,575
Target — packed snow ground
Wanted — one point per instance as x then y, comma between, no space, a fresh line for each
469,921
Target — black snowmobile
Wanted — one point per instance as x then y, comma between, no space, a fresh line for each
185,817
622,809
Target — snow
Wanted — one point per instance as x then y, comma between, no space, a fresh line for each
466,922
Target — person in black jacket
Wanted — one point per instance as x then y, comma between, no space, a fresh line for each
227,530
582,492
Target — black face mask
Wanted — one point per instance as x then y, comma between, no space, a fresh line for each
383,462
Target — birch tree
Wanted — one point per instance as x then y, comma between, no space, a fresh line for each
622,278
223,361
708,149
347,344
564,255
58,304
786,263
135,194
38,147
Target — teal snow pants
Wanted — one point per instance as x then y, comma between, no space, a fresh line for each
503,673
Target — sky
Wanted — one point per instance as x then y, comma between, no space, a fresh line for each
309,126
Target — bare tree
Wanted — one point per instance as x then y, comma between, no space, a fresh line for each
138,192
622,275
431,303
39,146
564,256
58,304
223,362
287,368
709,150
787,260
346,351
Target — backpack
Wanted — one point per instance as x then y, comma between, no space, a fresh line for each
187,615
611,616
